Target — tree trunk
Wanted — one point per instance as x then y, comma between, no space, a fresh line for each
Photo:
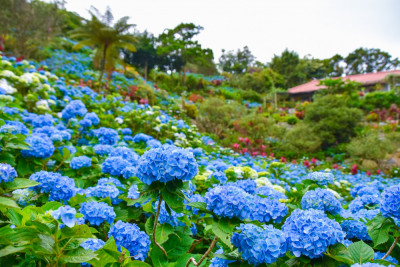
103,64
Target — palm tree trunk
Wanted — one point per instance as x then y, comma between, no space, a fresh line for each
103,64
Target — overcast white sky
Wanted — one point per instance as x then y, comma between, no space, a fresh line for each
321,28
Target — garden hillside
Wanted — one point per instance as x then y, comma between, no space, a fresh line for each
185,163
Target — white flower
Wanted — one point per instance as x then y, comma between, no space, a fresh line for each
7,73
263,181
119,120
6,98
29,78
149,112
43,104
6,87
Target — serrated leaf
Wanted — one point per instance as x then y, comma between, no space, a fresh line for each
10,250
223,237
163,231
8,203
379,228
340,253
20,183
361,252
78,256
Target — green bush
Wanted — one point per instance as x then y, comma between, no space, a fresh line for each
300,140
216,115
332,120
257,126
291,119
370,145
251,96
379,100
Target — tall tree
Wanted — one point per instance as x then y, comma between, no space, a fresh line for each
334,66
237,62
108,39
179,48
364,60
287,64
146,55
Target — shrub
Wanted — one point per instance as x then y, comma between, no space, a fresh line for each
216,116
300,140
379,100
332,120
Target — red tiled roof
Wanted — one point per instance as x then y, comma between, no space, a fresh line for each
365,79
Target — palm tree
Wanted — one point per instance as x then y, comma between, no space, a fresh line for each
106,38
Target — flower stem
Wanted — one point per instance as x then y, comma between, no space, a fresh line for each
155,227
391,248
192,260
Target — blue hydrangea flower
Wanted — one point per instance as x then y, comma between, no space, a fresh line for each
127,138
360,202
110,181
133,192
80,162
71,149
85,123
103,191
40,146
368,264
220,176
355,230
14,127
42,121
153,143
130,237
73,109
390,202
141,137
166,217
97,212
106,136
7,173
115,165
22,196
67,215
322,178
93,244
165,164
260,245
321,199
310,232
219,262
91,116
265,209
61,188
229,201
247,185
379,255
270,192
126,131
126,153
129,172
102,149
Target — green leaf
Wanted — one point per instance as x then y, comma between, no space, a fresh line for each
202,206
157,257
107,254
53,205
340,253
10,250
379,228
137,264
223,237
19,183
228,225
14,216
173,200
163,231
78,256
7,203
361,252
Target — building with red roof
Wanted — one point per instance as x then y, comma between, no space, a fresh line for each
371,81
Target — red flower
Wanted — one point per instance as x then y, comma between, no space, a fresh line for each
294,161
236,146
306,163
283,159
369,173
335,166
378,171
354,169
314,161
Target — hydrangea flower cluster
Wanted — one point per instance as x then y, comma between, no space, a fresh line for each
165,164
42,121
93,244
270,192
103,191
130,237
247,185
41,146
141,137
73,109
219,262
321,178
102,149
220,176
80,162
133,192
355,230
368,264
194,198
390,202
106,136
126,131
66,214
321,199
166,217
7,173
14,127
97,212
61,188
126,153
259,245
359,203
310,232
115,166
232,201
